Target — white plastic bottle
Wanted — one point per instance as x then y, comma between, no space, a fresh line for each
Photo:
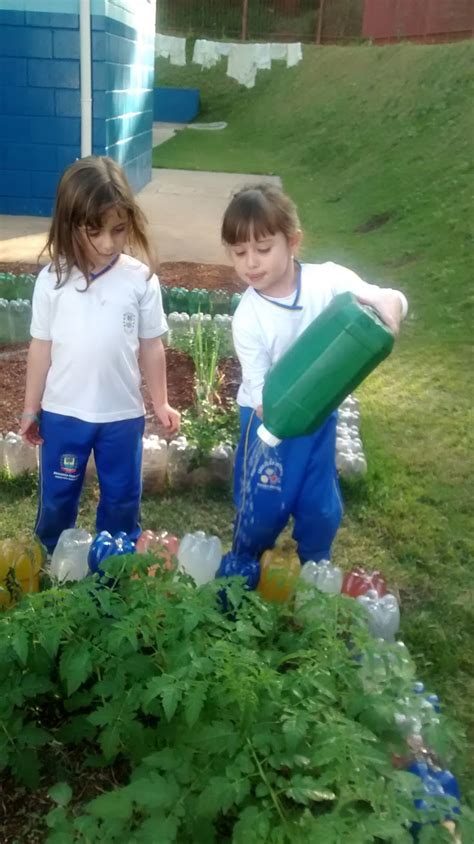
200,555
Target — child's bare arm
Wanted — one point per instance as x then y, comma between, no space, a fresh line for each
388,305
152,357
37,368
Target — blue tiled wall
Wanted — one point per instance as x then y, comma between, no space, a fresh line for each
40,127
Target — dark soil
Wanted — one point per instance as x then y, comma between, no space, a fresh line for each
180,368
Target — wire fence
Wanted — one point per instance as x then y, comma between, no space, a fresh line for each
325,21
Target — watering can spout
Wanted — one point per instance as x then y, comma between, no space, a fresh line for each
267,437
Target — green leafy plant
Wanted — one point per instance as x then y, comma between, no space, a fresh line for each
205,354
243,727
209,426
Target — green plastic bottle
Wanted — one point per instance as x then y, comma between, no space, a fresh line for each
329,360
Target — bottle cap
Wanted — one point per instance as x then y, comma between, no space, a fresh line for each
267,437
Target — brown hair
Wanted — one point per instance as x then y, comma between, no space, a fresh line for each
256,211
87,190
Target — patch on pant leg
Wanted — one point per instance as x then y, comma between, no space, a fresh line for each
68,468
269,474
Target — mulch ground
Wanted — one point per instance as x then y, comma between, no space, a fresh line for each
180,368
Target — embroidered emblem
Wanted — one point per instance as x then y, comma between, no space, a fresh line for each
68,463
129,322
270,475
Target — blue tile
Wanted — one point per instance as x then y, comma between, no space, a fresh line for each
128,126
15,183
52,20
13,72
44,184
98,46
31,156
66,156
122,102
131,148
14,128
138,171
98,23
116,27
56,130
52,73
28,101
68,103
66,44
9,17
99,105
26,42
98,133
34,206
99,72
121,50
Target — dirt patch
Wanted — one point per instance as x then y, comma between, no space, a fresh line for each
375,222
172,273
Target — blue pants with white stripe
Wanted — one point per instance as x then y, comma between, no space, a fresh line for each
68,443
296,478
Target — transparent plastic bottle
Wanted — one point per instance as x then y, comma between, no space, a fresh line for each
383,614
19,316
154,465
180,456
178,327
18,456
69,560
323,576
4,322
200,555
223,326
221,464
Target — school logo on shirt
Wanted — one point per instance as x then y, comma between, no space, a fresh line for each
128,322
269,475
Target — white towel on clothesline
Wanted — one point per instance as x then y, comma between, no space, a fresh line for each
294,54
242,65
172,48
279,52
206,53
263,57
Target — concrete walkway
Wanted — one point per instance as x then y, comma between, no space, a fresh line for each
183,207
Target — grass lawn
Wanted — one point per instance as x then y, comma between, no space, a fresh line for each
359,135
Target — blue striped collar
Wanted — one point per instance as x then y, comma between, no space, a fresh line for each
294,305
114,260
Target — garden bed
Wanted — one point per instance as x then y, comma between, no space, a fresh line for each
179,366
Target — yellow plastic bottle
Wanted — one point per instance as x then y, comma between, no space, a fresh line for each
20,563
279,572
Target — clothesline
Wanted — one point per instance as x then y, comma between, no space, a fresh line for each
243,60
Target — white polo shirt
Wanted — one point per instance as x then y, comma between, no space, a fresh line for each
263,330
94,374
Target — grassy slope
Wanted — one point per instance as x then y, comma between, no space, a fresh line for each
354,133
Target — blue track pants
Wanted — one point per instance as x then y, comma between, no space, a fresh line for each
297,478
68,442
